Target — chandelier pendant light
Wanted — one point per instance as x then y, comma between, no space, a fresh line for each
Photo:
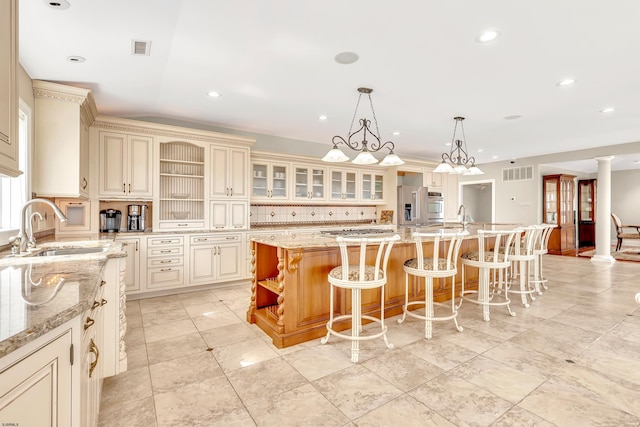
456,161
364,147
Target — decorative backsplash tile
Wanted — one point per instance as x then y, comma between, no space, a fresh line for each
295,214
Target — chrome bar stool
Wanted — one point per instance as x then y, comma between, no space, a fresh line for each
541,248
492,261
442,263
521,257
357,275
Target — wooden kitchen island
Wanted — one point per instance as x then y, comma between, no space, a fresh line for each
290,290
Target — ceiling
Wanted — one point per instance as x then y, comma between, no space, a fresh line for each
273,64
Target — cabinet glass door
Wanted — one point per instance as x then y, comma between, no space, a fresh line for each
551,201
586,201
378,181
279,179
259,182
318,184
301,184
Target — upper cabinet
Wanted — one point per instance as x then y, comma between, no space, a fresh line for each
558,199
309,183
125,166
372,186
9,88
434,180
343,185
229,174
269,180
63,115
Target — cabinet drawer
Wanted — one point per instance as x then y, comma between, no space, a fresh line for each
164,241
193,225
168,250
215,239
165,277
160,262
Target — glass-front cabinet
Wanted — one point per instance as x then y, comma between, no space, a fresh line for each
558,208
343,185
269,181
587,212
372,186
181,186
309,183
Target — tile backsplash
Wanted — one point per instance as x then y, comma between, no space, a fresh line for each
297,214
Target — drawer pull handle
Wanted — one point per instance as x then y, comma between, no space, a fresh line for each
182,225
88,323
93,348
165,252
165,269
166,262
231,238
166,241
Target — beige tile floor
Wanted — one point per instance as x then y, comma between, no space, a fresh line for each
571,359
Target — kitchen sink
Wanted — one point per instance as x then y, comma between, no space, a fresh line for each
70,251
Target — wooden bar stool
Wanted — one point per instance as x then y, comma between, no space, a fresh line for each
430,267
357,276
491,259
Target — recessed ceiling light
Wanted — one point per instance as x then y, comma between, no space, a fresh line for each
494,157
214,94
608,110
77,59
346,58
488,36
396,133
566,82
448,144
322,117
58,4
480,150
513,117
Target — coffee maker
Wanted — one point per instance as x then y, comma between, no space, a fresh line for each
137,218
110,221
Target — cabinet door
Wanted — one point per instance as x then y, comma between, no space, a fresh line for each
139,161
238,173
342,185
36,391
218,166
219,215
433,180
202,264
229,261
113,147
132,275
279,174
372,186
84,157
238,218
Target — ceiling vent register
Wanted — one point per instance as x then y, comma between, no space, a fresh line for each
140,47
521,173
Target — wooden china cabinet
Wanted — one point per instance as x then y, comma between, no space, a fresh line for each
558,197
587,212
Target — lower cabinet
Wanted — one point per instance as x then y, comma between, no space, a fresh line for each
132,247
165,262
37,389
91,362
215,257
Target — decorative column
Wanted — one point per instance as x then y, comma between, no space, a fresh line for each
603,211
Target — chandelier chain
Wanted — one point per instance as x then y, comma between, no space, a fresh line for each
355,113
374,116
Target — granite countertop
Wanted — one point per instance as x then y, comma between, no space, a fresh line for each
40,293
325,241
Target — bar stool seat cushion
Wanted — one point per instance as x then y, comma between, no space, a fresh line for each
354,273
427,264
488,256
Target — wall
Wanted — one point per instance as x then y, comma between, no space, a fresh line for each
625,197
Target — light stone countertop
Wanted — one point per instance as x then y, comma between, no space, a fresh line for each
37,294
325,241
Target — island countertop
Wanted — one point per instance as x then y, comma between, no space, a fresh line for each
322,240
37,294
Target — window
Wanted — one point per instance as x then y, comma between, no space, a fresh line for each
14,192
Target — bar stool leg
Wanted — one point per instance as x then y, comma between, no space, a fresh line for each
386,341
453,304
356,324
483,292
406,298
428,307
330,324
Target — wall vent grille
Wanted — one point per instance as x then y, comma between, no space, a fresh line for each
521,173
140,47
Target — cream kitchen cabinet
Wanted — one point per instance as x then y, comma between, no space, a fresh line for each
450,193
63,115
9,88
342,185
372,186
434,181
181,189
36,390
125,166
91,362
269,181
227,215
309,183
165,262
215,258
228,172
133,249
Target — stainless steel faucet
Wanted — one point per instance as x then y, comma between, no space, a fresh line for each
462,210
31,243
22,239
